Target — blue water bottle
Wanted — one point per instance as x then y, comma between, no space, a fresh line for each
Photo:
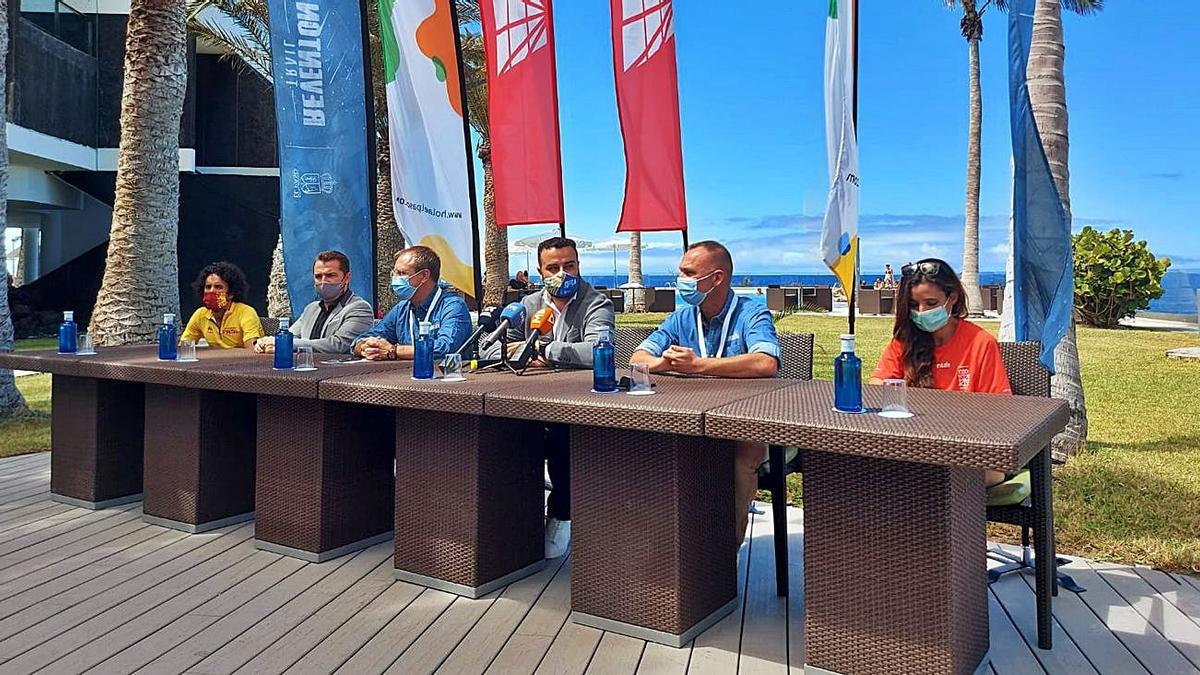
423,352
283,346
67,333
847,378
604,364
168,339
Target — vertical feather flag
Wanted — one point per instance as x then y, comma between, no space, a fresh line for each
523,111
1043,262
839,237
643,34
430,165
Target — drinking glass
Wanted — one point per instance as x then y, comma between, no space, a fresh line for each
304,359
895,400
452,368
187,351
639,380
84,346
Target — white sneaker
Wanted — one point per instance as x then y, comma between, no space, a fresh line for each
558,537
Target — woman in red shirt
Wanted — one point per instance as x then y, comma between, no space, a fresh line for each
933,344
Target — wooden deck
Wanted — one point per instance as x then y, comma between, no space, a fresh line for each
103,592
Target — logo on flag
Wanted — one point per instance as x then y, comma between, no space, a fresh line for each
839,236
520,31
646,25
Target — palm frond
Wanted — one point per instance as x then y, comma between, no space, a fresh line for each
240,27
235,44
1081,7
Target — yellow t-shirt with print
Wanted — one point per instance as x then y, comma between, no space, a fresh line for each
239,324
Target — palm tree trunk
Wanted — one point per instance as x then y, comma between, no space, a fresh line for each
279,303
637,295
495,246
970,266
141,272
11,401
1048,96
388,239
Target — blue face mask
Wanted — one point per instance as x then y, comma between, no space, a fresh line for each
403,288
688,288
931,319
562,285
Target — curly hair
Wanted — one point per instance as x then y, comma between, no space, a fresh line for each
231,274
918,344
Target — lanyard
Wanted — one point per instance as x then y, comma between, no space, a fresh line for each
724,333
412,329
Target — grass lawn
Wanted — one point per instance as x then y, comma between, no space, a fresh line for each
1133,496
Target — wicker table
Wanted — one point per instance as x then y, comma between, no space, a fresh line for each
654,551
447,451
95,431
318,475
875,487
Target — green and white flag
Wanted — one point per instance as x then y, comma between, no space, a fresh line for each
839,237
430,165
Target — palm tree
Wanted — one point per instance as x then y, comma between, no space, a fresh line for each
11,401
637,295
388,238
141,277
1048,97
972,30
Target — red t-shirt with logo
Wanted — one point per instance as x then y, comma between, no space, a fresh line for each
969,362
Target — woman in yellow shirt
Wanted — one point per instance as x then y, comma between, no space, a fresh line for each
223,320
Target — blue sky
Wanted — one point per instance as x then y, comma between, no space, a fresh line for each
753,130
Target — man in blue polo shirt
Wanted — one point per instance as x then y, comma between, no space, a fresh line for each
416,277
721,335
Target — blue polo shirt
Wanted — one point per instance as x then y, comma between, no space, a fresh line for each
450,318
751,330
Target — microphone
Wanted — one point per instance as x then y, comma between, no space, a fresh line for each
541,324
513,315
487,323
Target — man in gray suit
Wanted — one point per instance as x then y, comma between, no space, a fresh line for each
330,324
580,313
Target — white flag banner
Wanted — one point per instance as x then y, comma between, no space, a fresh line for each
839,237
430,188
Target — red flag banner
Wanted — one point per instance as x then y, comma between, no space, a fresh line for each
648,102
523,111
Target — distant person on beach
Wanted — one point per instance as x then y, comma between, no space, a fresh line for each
519,282
889,277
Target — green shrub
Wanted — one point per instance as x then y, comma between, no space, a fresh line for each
1114,276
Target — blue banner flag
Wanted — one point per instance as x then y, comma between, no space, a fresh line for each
325,186
1043,297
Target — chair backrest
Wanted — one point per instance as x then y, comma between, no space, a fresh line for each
270,325
1026,374
797,350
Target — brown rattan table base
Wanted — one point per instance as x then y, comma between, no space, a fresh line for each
654,552
323,483
199,458
469,494
96,439
863,614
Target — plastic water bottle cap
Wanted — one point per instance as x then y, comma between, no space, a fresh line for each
168,318
847,344
284,322
68,315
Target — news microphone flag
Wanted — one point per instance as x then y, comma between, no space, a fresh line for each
643,35
1043,263
430,162
839,235
523,111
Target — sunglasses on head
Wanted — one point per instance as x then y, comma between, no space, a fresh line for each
927,268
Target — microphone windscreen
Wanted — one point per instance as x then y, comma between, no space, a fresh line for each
543,321
515,313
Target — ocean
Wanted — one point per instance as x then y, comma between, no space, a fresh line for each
1180,288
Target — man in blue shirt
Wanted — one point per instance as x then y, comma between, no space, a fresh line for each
416,277
721,335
